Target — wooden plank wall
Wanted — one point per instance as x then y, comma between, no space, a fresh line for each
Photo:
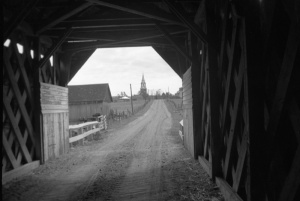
188,111
55,120
77,112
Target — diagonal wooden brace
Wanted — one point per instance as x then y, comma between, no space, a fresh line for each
191,25
173,42
54,48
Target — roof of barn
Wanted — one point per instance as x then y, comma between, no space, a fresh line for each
91,92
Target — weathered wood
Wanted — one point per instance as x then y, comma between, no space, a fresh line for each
66,15
54,48
121,40
54,134
17,93
23,70
188,113
242,150
53,97
139,11
292,181
83,135
230,52
54,107
9,152
205,164
196,93
173,42
227,191
190,24
37,104
282,84
214,92
232,132
16,130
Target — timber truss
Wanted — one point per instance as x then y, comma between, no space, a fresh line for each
242,58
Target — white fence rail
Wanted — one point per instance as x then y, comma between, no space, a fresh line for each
81,131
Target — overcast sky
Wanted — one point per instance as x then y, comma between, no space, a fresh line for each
120,67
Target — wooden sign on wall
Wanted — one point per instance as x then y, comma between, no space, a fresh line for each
53,98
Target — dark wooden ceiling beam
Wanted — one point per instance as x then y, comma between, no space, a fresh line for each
195,29
148,12
174,43
98,23
113,32
66,15
125,39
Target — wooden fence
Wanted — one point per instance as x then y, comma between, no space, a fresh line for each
118,116
79,133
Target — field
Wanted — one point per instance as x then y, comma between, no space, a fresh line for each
119,107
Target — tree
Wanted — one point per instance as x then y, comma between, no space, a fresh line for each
123,94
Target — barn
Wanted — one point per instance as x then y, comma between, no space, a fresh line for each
238,60
87,100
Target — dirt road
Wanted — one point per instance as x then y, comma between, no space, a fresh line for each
144,160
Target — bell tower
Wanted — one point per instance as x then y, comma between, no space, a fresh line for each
143,86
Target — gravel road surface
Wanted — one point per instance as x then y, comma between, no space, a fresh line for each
143,160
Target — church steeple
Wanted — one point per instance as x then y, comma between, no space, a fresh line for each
143,83
143,86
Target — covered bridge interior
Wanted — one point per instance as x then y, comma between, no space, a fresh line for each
239,62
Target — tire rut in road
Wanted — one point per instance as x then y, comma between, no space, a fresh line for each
111,174
143,180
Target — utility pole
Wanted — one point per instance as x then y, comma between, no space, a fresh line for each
131,99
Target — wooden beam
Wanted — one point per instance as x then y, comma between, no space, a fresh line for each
190,24
167,54
76,65
74,46
227,191
196,93
230,53
18,134
127,44
18,18
18,96
292,181
54,48
282,85
205,165
174,43
72,12
109,34
99,23
214,92
139,11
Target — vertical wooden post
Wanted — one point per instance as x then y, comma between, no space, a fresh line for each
38,120
256,93
131,99
214,88
80,132
196,66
